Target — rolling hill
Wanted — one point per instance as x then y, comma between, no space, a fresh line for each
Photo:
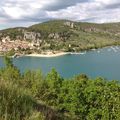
65,35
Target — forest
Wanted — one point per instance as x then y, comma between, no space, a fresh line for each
34,96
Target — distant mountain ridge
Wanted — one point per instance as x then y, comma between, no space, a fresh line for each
65,35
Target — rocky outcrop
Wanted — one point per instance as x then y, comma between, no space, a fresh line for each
19,37
54,36
90,29
35,37
7,38
69,24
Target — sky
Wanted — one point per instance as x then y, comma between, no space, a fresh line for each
27,12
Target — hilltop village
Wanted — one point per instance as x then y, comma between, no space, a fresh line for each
15,46
27,42
22,47
58,36
6,44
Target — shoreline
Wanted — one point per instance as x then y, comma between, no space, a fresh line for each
47,55
56,54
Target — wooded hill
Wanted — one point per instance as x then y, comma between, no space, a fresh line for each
65,35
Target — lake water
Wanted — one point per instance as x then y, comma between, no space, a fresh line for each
103,62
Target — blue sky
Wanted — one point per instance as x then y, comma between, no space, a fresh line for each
27,12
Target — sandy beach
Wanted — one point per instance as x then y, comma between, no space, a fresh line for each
48,54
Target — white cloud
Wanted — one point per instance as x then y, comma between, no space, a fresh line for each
18,9
93,11
107,1
27,12
14,12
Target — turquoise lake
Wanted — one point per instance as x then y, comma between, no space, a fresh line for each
103,62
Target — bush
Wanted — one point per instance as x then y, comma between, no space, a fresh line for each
15,103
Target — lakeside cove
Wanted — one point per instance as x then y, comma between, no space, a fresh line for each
103,62
59,53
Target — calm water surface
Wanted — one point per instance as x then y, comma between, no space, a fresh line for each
104,62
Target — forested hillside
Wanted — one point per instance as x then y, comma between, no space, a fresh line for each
34,96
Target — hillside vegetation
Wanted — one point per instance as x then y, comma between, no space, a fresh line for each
64,35
32,96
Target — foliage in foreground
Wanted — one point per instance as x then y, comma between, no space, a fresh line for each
32,96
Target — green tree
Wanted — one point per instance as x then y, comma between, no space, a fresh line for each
8,61
54,83
10,72
32,80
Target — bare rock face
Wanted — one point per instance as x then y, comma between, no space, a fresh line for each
29,36
54,36
51,35
32,36
7,38
19,37
69,24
